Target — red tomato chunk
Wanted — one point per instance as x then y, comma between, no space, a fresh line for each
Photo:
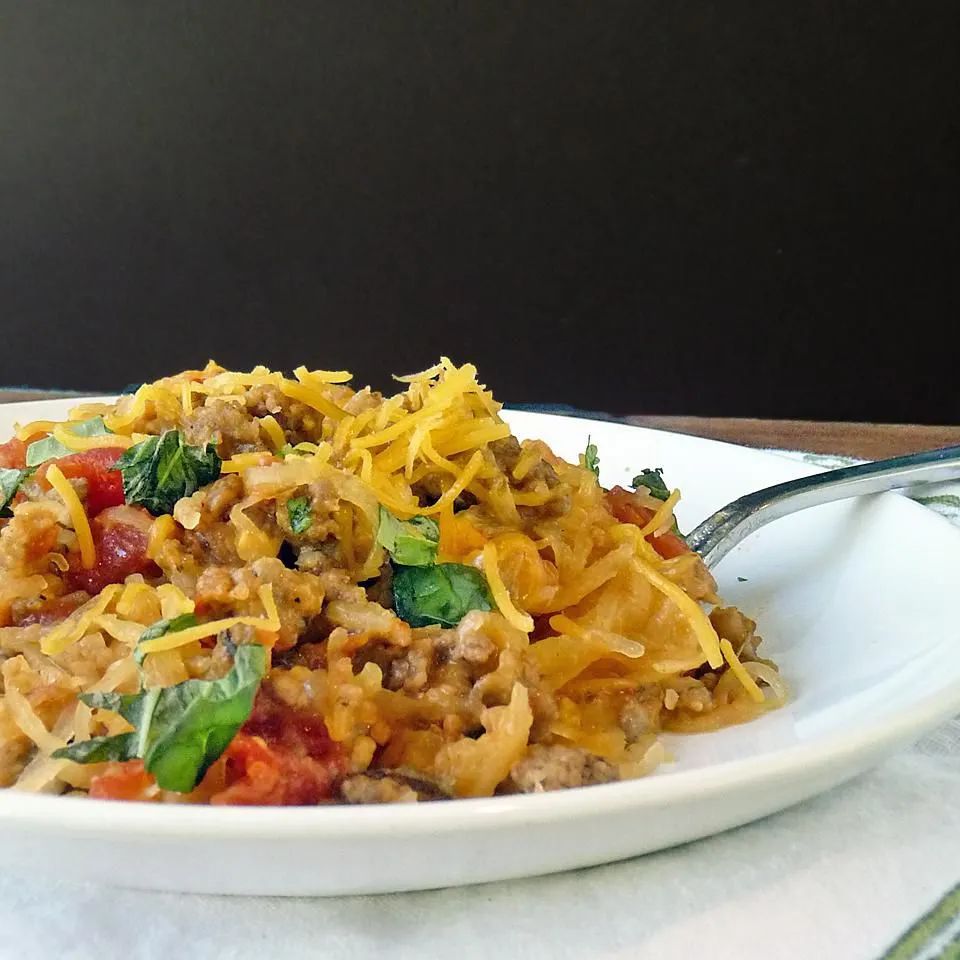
120,535
13,454
622,504
123,781
282,757
104,484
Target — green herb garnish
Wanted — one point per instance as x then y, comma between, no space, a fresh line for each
49,448
180,731
10,481
161,470
590,460
653,481
442,594
298,513
410,543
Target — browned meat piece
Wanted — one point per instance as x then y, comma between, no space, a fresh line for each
732,625
224,591
221,495
557,767
225,424
208,537
364,789
429,490
410,671
26,540
388,786
507,453
640,715
467,642
299,422
324,503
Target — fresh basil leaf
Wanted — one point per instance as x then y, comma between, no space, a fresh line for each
180,730
117,702
652,479
122,746
194,721
410,543
441,594
590,460
52,449
161,628
10,481
298,512
161,470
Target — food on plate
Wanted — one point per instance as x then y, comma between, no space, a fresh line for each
246,588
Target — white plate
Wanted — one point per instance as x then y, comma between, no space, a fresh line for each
856,601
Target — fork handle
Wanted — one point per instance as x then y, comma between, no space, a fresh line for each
720,533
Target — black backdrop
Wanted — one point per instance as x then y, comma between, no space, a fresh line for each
656,206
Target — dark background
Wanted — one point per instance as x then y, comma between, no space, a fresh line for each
657,206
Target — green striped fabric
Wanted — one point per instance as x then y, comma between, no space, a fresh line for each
935,936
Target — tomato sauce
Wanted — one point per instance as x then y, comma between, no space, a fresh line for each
282,757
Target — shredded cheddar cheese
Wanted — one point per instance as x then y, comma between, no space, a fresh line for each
35,428
78,516
270,623
161,530
273,430
698,620
662,516
73,441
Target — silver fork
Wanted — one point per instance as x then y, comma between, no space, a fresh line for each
721,532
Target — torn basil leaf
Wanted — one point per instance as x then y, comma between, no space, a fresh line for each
442,594
10,481
653,481
161,628
49,448
590,460
299,515
161,470
410,543
180,731
121,747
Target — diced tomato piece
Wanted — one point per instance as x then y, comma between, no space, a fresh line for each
623,505
281,757
104,484
13,454
120,536
53,611
124,781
